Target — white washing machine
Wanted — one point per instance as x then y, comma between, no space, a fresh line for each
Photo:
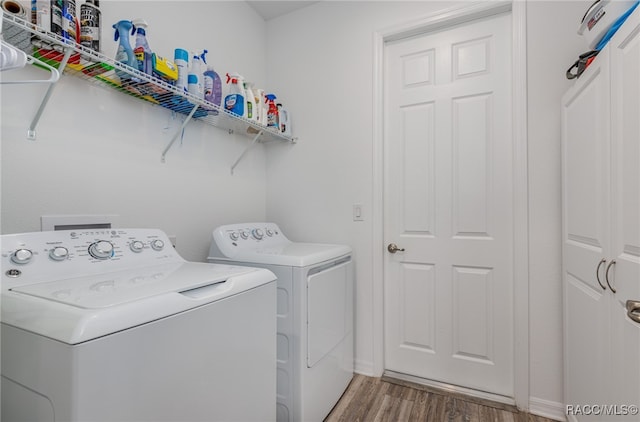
315,313
113,325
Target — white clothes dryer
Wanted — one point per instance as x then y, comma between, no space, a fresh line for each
315,313
113,325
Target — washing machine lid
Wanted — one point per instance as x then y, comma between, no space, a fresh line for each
292,254
83,308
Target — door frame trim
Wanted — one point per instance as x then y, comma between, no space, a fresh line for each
442,19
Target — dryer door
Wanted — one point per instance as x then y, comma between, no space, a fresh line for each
329,308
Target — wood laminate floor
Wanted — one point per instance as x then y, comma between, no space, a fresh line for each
373,399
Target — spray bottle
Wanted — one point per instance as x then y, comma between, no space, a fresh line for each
251,102
196,74
142,50
125,52
212,85
235,102
272,112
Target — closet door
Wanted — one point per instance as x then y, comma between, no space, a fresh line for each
625,273
586,239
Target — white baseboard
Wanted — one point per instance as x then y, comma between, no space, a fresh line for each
364,368
548,409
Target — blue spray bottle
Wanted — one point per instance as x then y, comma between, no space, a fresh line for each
125,52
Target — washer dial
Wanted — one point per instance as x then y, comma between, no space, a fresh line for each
244,234
157,245
59,253
21,256
257,234
102,249
136,246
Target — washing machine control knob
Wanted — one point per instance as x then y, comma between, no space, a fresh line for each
269,232
244,234
21,256
136,246
234,236
59,253
102,249
258,234
157,245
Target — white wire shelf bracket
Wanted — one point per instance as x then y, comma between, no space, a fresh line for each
74,59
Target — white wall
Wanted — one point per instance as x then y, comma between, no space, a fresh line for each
311,187
553,46
98,151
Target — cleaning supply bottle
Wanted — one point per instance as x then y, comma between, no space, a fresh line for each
251,102
192,84
257,110
142,50
284,120
125,52
235,102
90,23
196,75
181,58
272,112
69,20
261,104
212,86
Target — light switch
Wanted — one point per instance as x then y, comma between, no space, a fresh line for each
357,212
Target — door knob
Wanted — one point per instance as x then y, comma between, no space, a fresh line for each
633,310
393,248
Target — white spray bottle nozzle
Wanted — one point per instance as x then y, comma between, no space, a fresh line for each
140,23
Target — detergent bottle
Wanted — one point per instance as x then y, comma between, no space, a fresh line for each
257,104
142,50
235,101
261,104
251,102
212,85
272,112
284,120
125,52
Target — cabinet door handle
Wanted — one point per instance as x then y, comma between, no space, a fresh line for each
606,275
633,310
602,261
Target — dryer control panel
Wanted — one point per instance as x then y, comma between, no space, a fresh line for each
231,239
41,256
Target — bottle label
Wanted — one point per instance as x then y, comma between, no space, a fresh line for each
234,103
272,120
230,102
249,110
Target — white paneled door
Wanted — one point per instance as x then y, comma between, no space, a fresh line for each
625,215
449,206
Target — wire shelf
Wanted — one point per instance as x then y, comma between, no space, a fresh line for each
103,71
